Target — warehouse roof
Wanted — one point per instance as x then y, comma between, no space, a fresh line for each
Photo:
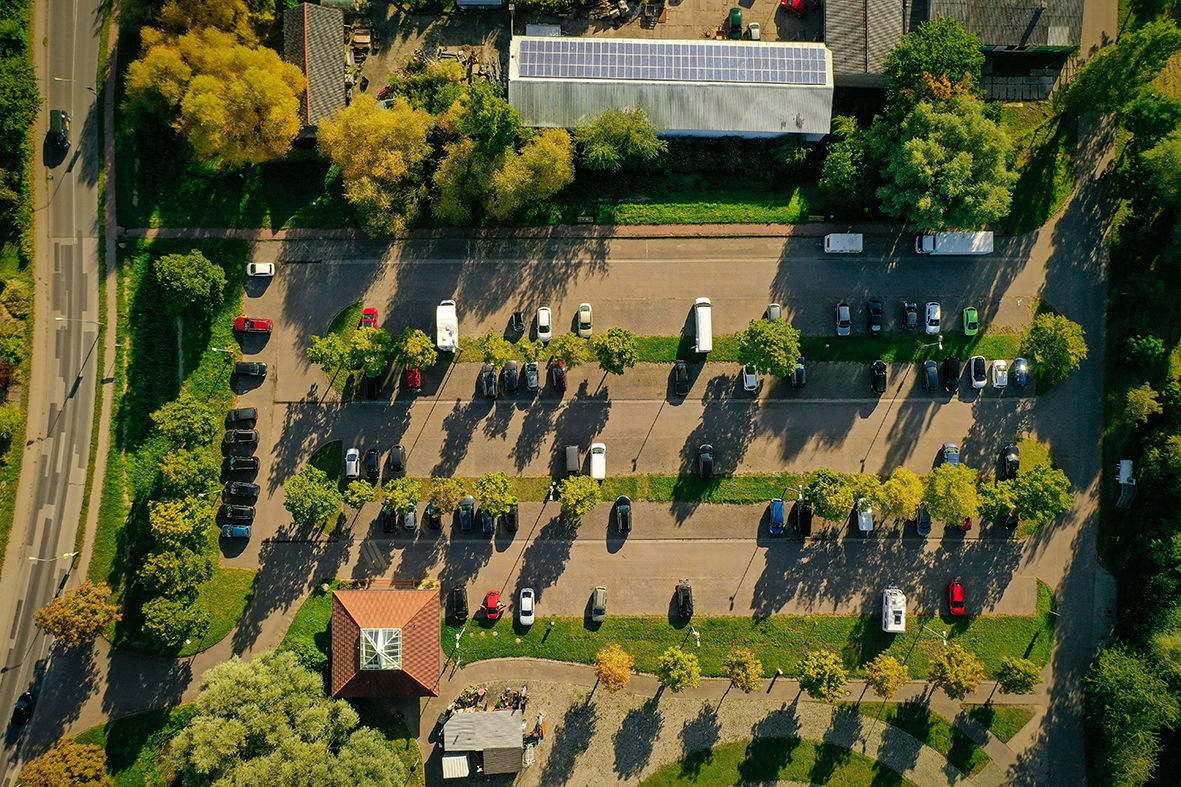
1017,23
313,39
861,33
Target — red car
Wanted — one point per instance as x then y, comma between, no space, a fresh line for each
955,597
492,605
369,318
413,378
797,7
253,325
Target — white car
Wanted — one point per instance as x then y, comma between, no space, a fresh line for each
750,380
864,516
525,607
352,463
893,611
1000,374
598,461
934,318
977,367
545,325
446,327
584,320
844,320
260,269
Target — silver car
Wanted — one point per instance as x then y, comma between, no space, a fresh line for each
750,380
352,463
934,318
545,325
1000,374
584,320
844,320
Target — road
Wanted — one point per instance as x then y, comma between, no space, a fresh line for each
61,389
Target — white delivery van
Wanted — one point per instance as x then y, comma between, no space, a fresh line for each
447,327
703,325
948,243
598,461
842,243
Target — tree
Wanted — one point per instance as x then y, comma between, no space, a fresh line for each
494,348
10,421
678,670
446,494
1057,345
951,493
495,493
415,349
901,494
401,495
948,168
847,174
329,352
358,493
770,346
616,350
1117,74
190,279
885,675
78,616
1141,404
544,167
181,523
1163,163
618,139
68,764
569,348
156,82
829,494
744,669
189,471
381,154
823,675
461,180
483,114
176,573
578,495
1017,675
1041,493
938,59
956,671
311,496
267,721
187,421
370,349
613,667
168,622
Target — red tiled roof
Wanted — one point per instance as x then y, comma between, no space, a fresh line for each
415,612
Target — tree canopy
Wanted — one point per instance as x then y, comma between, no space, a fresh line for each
618,139
579,495
495,493
358,493
311,496
936,60
744,669
952,495
823,675
829,493
956,671
678,669
446,494
414,348
616,350
901,494
885,675
68,764
190,279
1017,675
1057,345
613,667
187,421
401,495
80,615
1117,74
770,346
543,167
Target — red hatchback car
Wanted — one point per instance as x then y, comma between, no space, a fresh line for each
369,318
413,378
797,7
955,597
492,606
253,325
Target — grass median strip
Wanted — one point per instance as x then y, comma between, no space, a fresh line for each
930,729
1003,721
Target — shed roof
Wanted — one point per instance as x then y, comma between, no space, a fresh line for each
415,613
313,39
484,730
1017,23
862,32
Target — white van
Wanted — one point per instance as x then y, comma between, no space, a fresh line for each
703,322
893,611
598,461
842,243
447,327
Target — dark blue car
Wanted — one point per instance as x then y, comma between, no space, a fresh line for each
487,522
777,517
466,507
1020,372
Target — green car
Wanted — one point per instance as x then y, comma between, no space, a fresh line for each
971,321
735,23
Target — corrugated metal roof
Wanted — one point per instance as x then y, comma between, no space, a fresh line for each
678,107
861,33
1017,23
456,766
483,730
313,39
503,760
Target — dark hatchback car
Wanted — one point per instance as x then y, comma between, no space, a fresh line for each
459,611
681,378
517,324
623,514
802,518
875,313
241,489
397,460
1010,462
487,522
930,375
236,513
372,464
488,381
433,519
23,710
684,599
250,369
389,520
242,464
877,376
951,375
466,510
241,414
910,316
1020,372
558,370
511,519
705,461
239,436
512,377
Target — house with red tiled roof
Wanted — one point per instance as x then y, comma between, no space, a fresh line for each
385,643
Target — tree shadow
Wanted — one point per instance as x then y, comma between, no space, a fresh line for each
698,737
571,737
635,738
544,560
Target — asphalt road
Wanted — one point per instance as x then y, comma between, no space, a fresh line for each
61,391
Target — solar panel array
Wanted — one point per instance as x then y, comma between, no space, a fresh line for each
671,61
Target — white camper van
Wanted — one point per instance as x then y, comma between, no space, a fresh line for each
703,324
447,327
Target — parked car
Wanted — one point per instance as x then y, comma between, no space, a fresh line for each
681,377
240,414
1020,372
971,321
532,376
545,325
352,463
802,522
373,464
512,377
237,531
585,321
705,461
1010,462
799,376
241,489
459,603
951,375
797,7
492,606
558,371
775,517
466,509
933,319
623,514
864,516
951,454
250,369
410,519
525,607
750,378
511,519
844,320
488,381
1011,520
893,611
735,22
922,520
684,599
238,436
233,513
930,375
369,318
253,325
599,604
397,460
23,710
877,376
978,371
910,316
955,597
487,522
516,324
966,524
774,312
242,464
260,269
598,461
389,520
413,378
875,314
1000,374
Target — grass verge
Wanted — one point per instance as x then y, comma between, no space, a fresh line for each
224,598
931,729
133,744
1046,147
776,760
1003,721
12,453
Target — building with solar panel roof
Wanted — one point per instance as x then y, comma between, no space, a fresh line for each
688,88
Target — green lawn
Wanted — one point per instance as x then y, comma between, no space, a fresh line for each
1045,146
771,760
931,729
224,598
134,744
1003,721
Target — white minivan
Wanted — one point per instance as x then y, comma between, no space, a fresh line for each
598,461
703,325
842,243
446,327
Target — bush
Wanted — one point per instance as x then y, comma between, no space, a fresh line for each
10,421
17,298
1145,349
169,622
308,655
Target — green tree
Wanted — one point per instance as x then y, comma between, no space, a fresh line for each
1041,493
329,352
176,573
829,493
616,350
183,523
446,494
311,496
571,348
956,671
579,495
189,471
1141,403
613,667
951,493
68,764
461,180
948,168
78,616
1057,345
678,670
1118,74
370,349
495,493
1163,163
190,279
847,174
744,669
401,495
885,675
168,622
358,493
493,348
770,346
544,167
823,675
187,422
415,349
10,421
1017,675
484,115
17,297
618,139
938,59
901,494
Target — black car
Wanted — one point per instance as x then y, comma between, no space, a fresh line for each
705,461
487,522
623,514
59,128
459,603
23,710
373,464
241,414
930,375
910,316
922,520
466,507
684,599
874,312
802,522
250,369
558,370
241,489
389,520
242,464
681,378
1011,521
488,381
517,324
237,436
799,377
397,460
1010,462
433,519
234,513
372,386
951,375
512,377
511,519
877,374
